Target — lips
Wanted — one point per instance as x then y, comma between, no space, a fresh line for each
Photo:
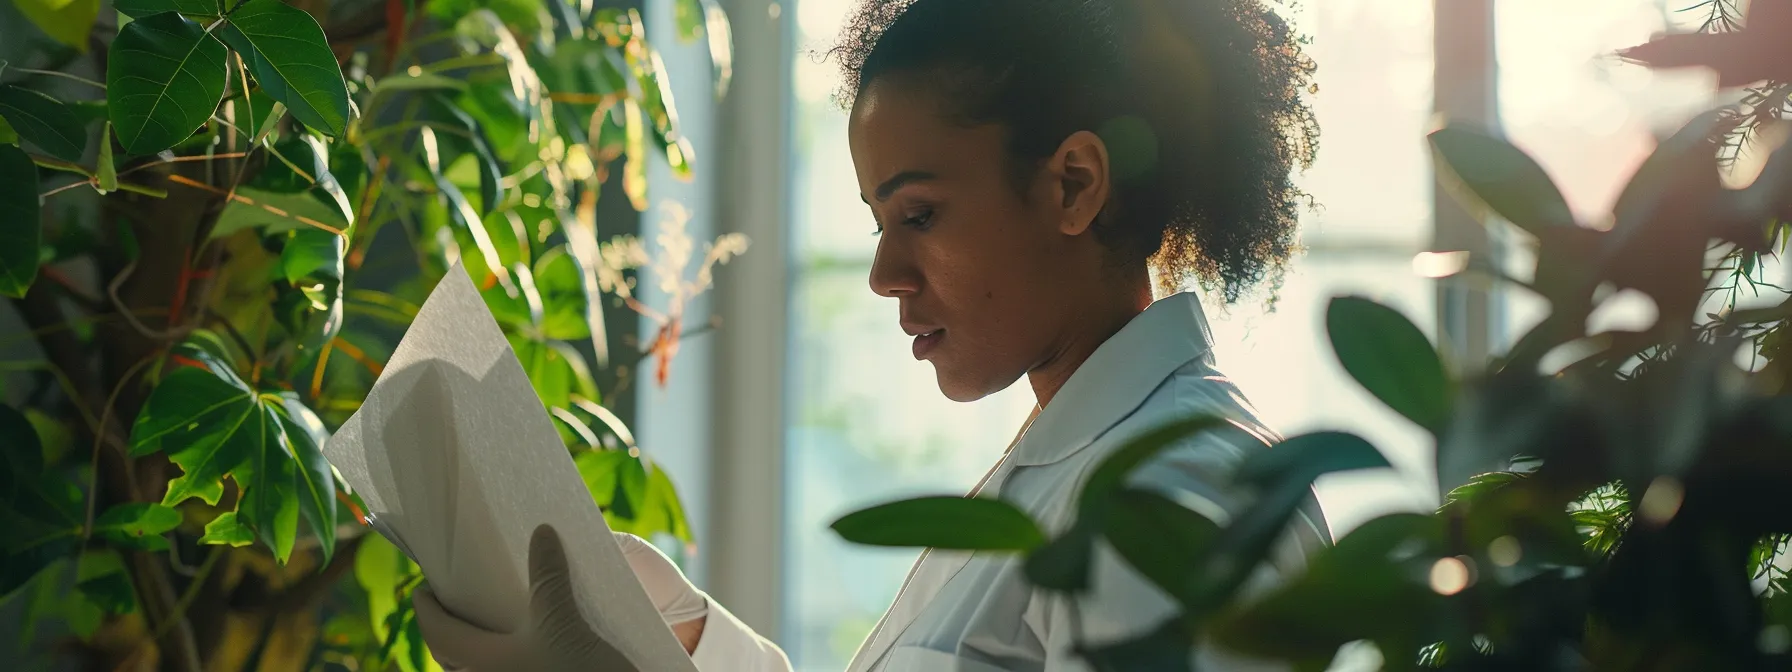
927,342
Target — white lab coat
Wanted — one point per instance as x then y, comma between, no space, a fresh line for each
962,612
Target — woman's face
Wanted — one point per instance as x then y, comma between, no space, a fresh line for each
987,272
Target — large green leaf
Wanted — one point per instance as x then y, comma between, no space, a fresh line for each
212,424
43,121
21,232
959,523
1493,173
305,435
8,136
68,21
164,78
556,369
291,59
491,172
143,8
1307,457
1160,538
138,525
1392,359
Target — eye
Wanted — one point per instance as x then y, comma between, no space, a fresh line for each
919,219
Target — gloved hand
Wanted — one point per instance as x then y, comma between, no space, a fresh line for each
555,637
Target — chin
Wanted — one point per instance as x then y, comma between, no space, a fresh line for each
966,386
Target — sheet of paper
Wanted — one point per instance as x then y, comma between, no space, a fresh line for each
458,463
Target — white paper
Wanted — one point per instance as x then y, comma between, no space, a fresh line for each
458,463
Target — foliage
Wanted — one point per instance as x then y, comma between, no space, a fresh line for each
217,217
1614,497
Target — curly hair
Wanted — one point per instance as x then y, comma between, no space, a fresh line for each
1199,101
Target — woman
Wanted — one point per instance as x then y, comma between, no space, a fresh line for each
1031,165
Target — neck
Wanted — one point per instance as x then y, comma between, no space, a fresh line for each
1090,329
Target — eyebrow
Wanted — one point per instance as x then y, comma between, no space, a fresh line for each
901,180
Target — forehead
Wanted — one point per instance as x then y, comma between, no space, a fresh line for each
899,124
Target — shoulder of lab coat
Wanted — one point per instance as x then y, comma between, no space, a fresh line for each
728,645
1159,369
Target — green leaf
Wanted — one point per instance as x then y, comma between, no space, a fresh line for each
1062,564
21,233
225,530
137,525
1306,457
422,81
634,165
1108,476
1663,175
1165,649
212,425
143,8
1392,359
491,172
22,462
8,136
305,435
107,171
104,582
601,470
68,21
1162,539
462,213
562,288
43,121
1490,172
1372,585
293,212
291,59
959,523
689,16
164,78
555,369
312,254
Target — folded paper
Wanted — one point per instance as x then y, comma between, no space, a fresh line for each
458,462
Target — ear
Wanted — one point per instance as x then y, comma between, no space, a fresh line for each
1083,180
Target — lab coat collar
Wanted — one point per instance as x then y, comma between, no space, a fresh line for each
1117,378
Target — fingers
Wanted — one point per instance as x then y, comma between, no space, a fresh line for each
672,594
558,624
551,601
454,643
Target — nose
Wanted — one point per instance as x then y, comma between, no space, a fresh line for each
893,270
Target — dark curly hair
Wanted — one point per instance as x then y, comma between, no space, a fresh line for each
1199,101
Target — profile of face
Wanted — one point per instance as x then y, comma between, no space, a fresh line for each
991,273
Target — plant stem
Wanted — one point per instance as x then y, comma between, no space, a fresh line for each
99,439
186,597
64,75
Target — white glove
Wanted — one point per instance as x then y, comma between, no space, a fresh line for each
553,638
